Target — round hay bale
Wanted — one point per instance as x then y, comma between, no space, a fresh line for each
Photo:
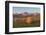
28,20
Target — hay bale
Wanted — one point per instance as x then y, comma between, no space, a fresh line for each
28,20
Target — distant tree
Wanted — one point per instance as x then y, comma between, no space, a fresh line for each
25,12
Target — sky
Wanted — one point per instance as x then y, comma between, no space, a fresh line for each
25,9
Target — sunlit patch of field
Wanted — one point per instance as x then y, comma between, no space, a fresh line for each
26,22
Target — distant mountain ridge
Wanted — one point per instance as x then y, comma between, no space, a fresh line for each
26,14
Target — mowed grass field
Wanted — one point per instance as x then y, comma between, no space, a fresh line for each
18,22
